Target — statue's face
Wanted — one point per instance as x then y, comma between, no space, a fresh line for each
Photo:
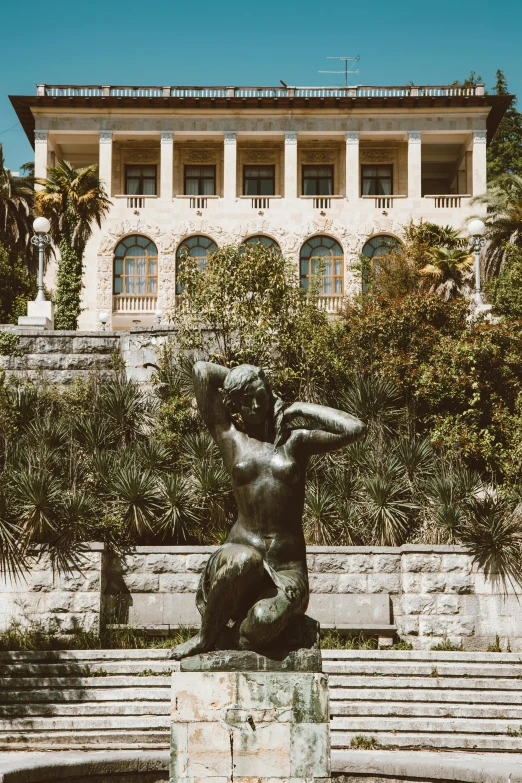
253,402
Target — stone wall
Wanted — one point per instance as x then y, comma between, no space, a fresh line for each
57,603
435,591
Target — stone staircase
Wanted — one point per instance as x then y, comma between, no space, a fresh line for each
119,699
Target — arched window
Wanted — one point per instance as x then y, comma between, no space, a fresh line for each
196,247
377,246
325,256
136,266
261,239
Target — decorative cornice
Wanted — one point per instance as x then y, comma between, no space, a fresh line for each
230,137
105,137
352,137
40,136
480,137
414,137
140,156
167,137
201,156
291,137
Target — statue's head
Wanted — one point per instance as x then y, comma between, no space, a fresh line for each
247,393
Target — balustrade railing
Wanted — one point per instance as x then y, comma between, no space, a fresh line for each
448,202
322,203
330,304
134,303
260,203
361,91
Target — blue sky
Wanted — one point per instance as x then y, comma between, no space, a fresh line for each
247,43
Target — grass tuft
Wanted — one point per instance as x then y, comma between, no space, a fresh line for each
360,742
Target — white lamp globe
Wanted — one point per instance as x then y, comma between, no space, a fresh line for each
159,314
104,318
41,225
476,228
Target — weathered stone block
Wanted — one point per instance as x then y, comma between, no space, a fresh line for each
387,564
411,583
418,604
384,583
267,727
324,583
433,583
421,563
353,583
330,563
178,583
460,583
447,604
358,563
461,563
142,583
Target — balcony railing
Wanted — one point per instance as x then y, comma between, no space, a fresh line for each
135,202
448,202
362,91
330,304
134,303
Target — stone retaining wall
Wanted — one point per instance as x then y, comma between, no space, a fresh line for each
435,591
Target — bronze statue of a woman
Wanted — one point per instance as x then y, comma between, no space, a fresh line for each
257,582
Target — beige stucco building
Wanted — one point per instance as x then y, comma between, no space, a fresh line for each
322,172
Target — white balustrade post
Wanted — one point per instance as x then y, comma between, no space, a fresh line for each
414,164
479,162
166,165
230,165
41,152
352,165
290,165
105,160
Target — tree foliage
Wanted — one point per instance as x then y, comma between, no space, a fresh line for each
505,149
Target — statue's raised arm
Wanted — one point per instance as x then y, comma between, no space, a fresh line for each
209,379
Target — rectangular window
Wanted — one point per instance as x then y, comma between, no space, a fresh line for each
258,180
140,180
200,180
318,180
377,180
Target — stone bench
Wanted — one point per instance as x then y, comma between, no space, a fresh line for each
160,613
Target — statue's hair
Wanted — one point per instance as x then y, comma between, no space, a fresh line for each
237,381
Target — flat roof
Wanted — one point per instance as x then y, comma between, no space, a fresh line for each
422,97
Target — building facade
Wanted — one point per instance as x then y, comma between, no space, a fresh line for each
322,173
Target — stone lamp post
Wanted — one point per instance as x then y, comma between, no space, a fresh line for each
476,230
40,313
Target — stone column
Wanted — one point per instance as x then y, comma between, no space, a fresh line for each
166,165
479,162
230,165
105,160
352,165
290,165
414,163
40,155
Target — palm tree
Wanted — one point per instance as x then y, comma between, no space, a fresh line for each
504,220
16,205
449,272
73,200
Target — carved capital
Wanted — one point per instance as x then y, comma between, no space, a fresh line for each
40,136
230,137
291,138
105,137
480,137
352,137
167,137
414,137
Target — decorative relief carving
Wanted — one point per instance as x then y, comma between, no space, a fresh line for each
105,137
414,137
259,156
230,137
377,156
480,137
352,137
201,156
167,137
320,156
140,155
291,137
40,136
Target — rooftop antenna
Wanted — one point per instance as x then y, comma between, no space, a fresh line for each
346,69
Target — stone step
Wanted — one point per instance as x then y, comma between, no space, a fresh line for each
88,723
97,740
455,741
97,709
89,694
70,669
424,710
421,655
415,669
83,656
83,682
410,695
421,683
429,725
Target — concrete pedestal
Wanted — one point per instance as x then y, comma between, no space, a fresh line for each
40,315
250,727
